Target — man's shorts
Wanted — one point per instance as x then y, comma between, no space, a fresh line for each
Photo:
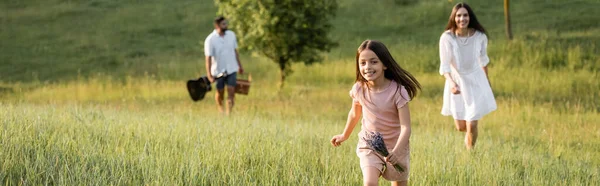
229,80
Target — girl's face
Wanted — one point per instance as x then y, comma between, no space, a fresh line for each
462,18
371,68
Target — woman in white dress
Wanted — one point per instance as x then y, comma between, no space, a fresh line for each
467,92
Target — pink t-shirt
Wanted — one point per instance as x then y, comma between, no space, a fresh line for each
380,111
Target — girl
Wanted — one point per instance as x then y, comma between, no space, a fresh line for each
380,95
467,93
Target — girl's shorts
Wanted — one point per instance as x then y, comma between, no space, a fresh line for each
370,158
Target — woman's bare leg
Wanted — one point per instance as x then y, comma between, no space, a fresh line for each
471,136
461,125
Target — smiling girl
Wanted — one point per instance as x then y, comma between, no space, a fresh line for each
380,96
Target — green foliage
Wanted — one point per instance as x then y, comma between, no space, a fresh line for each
284,31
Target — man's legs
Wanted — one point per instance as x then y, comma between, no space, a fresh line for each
219,99
231,82
230,98
220,93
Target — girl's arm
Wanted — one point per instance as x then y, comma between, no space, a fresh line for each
353,117
403,140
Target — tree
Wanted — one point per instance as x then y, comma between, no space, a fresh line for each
507,20
284,31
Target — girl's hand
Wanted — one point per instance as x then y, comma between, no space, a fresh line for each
391,158
455,89
394,160
395,154
338,139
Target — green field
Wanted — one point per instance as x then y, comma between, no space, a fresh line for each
92,92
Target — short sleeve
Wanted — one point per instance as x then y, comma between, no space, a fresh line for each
208,51
402,98
484,60
445,53
353,93
235,43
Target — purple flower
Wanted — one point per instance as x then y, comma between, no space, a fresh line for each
375,142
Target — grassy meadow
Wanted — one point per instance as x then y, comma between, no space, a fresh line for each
92,92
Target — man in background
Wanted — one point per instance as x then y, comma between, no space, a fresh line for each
222,62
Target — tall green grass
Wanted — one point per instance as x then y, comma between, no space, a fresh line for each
282,144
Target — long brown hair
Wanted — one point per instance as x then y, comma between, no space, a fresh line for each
393,71
473,22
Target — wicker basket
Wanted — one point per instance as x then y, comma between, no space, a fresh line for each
243,86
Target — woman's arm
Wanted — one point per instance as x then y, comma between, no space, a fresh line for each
454,86
449,77
446,55
485,69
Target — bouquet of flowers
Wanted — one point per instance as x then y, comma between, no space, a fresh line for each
375,142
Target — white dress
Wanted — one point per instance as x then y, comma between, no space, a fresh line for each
463,58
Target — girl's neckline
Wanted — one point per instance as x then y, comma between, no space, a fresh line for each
382,90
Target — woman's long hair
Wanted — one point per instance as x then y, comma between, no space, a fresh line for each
473,22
